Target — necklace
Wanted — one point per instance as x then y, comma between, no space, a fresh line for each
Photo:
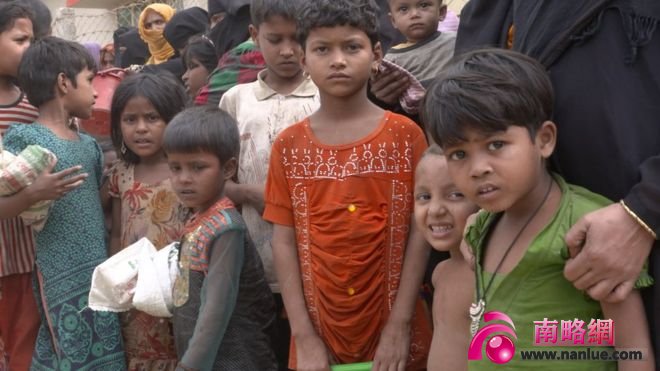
477,309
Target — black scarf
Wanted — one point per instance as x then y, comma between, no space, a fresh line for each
231,31
185,24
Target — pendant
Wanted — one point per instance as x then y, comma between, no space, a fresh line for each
476,312
181,287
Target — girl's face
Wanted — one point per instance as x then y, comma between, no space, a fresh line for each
195,77
441,210
142,128
198,178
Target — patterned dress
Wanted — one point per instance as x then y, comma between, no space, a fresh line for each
152,211
69,247
350,205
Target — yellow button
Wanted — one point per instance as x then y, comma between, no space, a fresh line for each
351,291
352,208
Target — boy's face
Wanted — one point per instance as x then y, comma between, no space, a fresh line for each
416,19
340,59
500,171
440,208
79,100
199,178
13,43
276,38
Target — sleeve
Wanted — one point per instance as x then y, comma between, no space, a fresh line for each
14,140
278,206
644,197
219,295
228,102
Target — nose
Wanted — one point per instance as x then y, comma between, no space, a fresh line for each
141,125
287,50
479,166
437,208
338,60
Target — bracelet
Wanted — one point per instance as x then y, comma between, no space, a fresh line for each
638,220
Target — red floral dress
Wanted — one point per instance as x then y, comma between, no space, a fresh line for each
152,211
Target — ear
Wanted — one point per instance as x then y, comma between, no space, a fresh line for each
229,168
389,14
62,83
546,138
254,34
443,12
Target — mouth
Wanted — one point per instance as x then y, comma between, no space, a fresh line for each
486,190
338,76
441,230
142,142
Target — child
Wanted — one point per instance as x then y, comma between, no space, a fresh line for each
143,201
57,78
199,59
224,306
339,192
490,111
20,320
427,50
281,96
440,213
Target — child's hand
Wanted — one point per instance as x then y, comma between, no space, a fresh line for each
52,186
393,347
311,354
466,250
389,87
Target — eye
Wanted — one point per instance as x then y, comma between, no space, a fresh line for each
320,49
455,196
353,47
198,167
456,155
424,5
422,196
403,9
495,145
274,40
175,168
153,118
128,119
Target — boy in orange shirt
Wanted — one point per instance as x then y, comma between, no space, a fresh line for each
340,194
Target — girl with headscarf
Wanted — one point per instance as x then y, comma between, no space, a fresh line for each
151,26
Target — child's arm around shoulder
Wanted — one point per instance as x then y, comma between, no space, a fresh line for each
219,295
632,331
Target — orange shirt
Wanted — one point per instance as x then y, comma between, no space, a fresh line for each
350,206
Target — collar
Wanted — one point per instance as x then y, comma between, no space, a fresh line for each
262,91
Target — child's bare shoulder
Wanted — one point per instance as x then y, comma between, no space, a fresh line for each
453,272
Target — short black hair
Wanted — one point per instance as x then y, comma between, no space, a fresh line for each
361,14
11,11
487,90
203,129
262,10
44,60
164,91
202,49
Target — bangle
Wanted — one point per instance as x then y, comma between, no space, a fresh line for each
638,220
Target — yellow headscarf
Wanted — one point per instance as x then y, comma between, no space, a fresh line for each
159,48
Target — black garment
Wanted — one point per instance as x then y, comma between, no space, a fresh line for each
228,6
173,65
184,25
606,77
231,31
387,34
130,48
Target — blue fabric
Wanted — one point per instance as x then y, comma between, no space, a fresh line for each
70,246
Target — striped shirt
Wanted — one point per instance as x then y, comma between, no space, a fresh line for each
16,240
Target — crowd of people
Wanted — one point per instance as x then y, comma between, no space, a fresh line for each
344,182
